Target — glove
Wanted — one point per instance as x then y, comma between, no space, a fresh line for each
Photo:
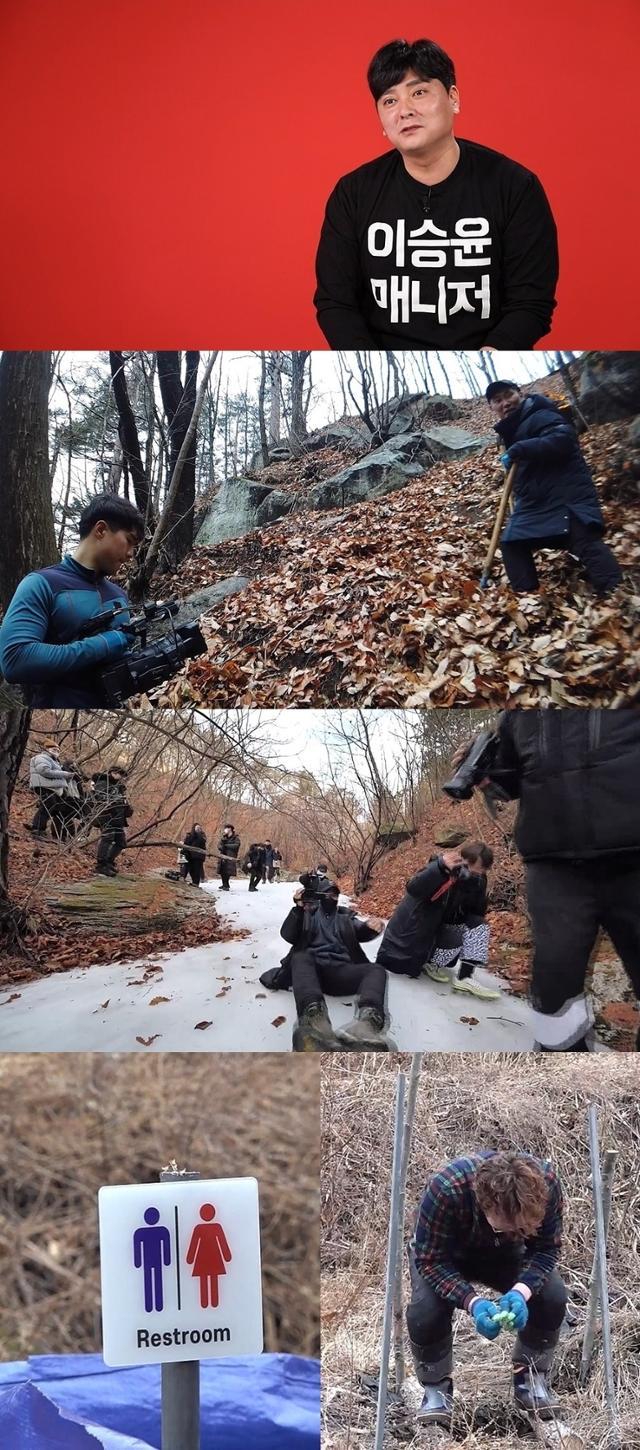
117,641
482,1313
506,460
515,1303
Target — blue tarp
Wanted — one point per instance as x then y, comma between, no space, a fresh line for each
75,1402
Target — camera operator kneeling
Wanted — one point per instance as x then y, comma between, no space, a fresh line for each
326,957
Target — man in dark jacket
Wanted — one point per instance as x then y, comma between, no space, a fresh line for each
439,925
229,847
440,243
556,504
254,863
40,644
326,957
494,1218
111,811
576,775
194,859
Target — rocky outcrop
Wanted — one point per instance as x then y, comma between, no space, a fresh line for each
609,386
414,411
275,506
233,511
393,465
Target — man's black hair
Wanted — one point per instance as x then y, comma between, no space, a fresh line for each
500,387
391,63
116,512
477,851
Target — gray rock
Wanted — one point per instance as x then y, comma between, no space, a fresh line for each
279,453
233,511
337,435
417,409
393,465
275,507
609,385
200,602
634,433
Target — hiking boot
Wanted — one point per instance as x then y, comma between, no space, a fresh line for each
532,1394
437,974
276,979
475,989
366,1031
106,870
437,1405
313,1031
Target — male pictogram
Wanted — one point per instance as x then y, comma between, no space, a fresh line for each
208,1252
151,1252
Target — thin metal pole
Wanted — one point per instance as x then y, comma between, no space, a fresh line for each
391,1262
596,1184
398,1325
608,1170
181,1381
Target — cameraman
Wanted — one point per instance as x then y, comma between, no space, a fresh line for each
440,921
576,775
112,811
39,644
326,956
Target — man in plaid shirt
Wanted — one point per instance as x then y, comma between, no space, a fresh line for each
493,1217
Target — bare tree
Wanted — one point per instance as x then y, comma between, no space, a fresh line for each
14,730
28,538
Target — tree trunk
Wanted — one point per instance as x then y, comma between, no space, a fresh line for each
128,434
298,426
28,540
178,405
14,730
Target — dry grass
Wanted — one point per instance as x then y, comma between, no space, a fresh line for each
71,1122
466,1101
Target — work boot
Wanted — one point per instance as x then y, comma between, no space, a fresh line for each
313,1031
276,979
106,870
532,1394
366,1030
437,1404
475,989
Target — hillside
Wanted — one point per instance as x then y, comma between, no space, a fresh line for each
379,604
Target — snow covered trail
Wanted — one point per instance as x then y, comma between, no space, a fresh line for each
108,1008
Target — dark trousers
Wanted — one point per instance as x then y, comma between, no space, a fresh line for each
600,565
195,869
255,875
50,808
111,843
225,874
429,1318
311,982
569,901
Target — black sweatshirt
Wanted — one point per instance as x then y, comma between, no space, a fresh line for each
469,263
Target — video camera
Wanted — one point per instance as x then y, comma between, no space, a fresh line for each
315,883
474,768
146,665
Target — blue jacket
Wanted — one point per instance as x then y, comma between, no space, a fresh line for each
46,613
552,480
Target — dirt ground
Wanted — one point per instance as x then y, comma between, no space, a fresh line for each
466,1101
72,1122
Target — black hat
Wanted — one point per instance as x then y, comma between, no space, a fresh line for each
500,386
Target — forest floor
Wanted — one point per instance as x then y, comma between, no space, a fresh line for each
380,604
465,1102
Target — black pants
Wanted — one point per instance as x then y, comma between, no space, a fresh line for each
225,874
112,841
600,565
195,869
310,982
429,1317
50,808
568,902
254,878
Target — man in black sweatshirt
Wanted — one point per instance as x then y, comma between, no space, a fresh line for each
441,243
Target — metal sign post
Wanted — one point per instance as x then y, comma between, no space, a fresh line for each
392,1253
180,1382
601,1245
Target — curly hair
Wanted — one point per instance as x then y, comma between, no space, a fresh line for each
515,1186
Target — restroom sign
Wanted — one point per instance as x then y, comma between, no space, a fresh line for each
180,1270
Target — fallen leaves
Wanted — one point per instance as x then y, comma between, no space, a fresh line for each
201,1026
155,1001
278,1021
147,1041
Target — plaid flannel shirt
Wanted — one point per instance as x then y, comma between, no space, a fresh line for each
450,1227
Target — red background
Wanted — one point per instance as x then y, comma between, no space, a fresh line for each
168,164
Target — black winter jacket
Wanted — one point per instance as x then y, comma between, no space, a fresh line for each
195,838
552,478
432,897
296,929
576,773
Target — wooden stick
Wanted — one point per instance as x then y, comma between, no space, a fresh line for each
500,517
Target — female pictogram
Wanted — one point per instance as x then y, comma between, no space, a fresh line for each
208,1252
